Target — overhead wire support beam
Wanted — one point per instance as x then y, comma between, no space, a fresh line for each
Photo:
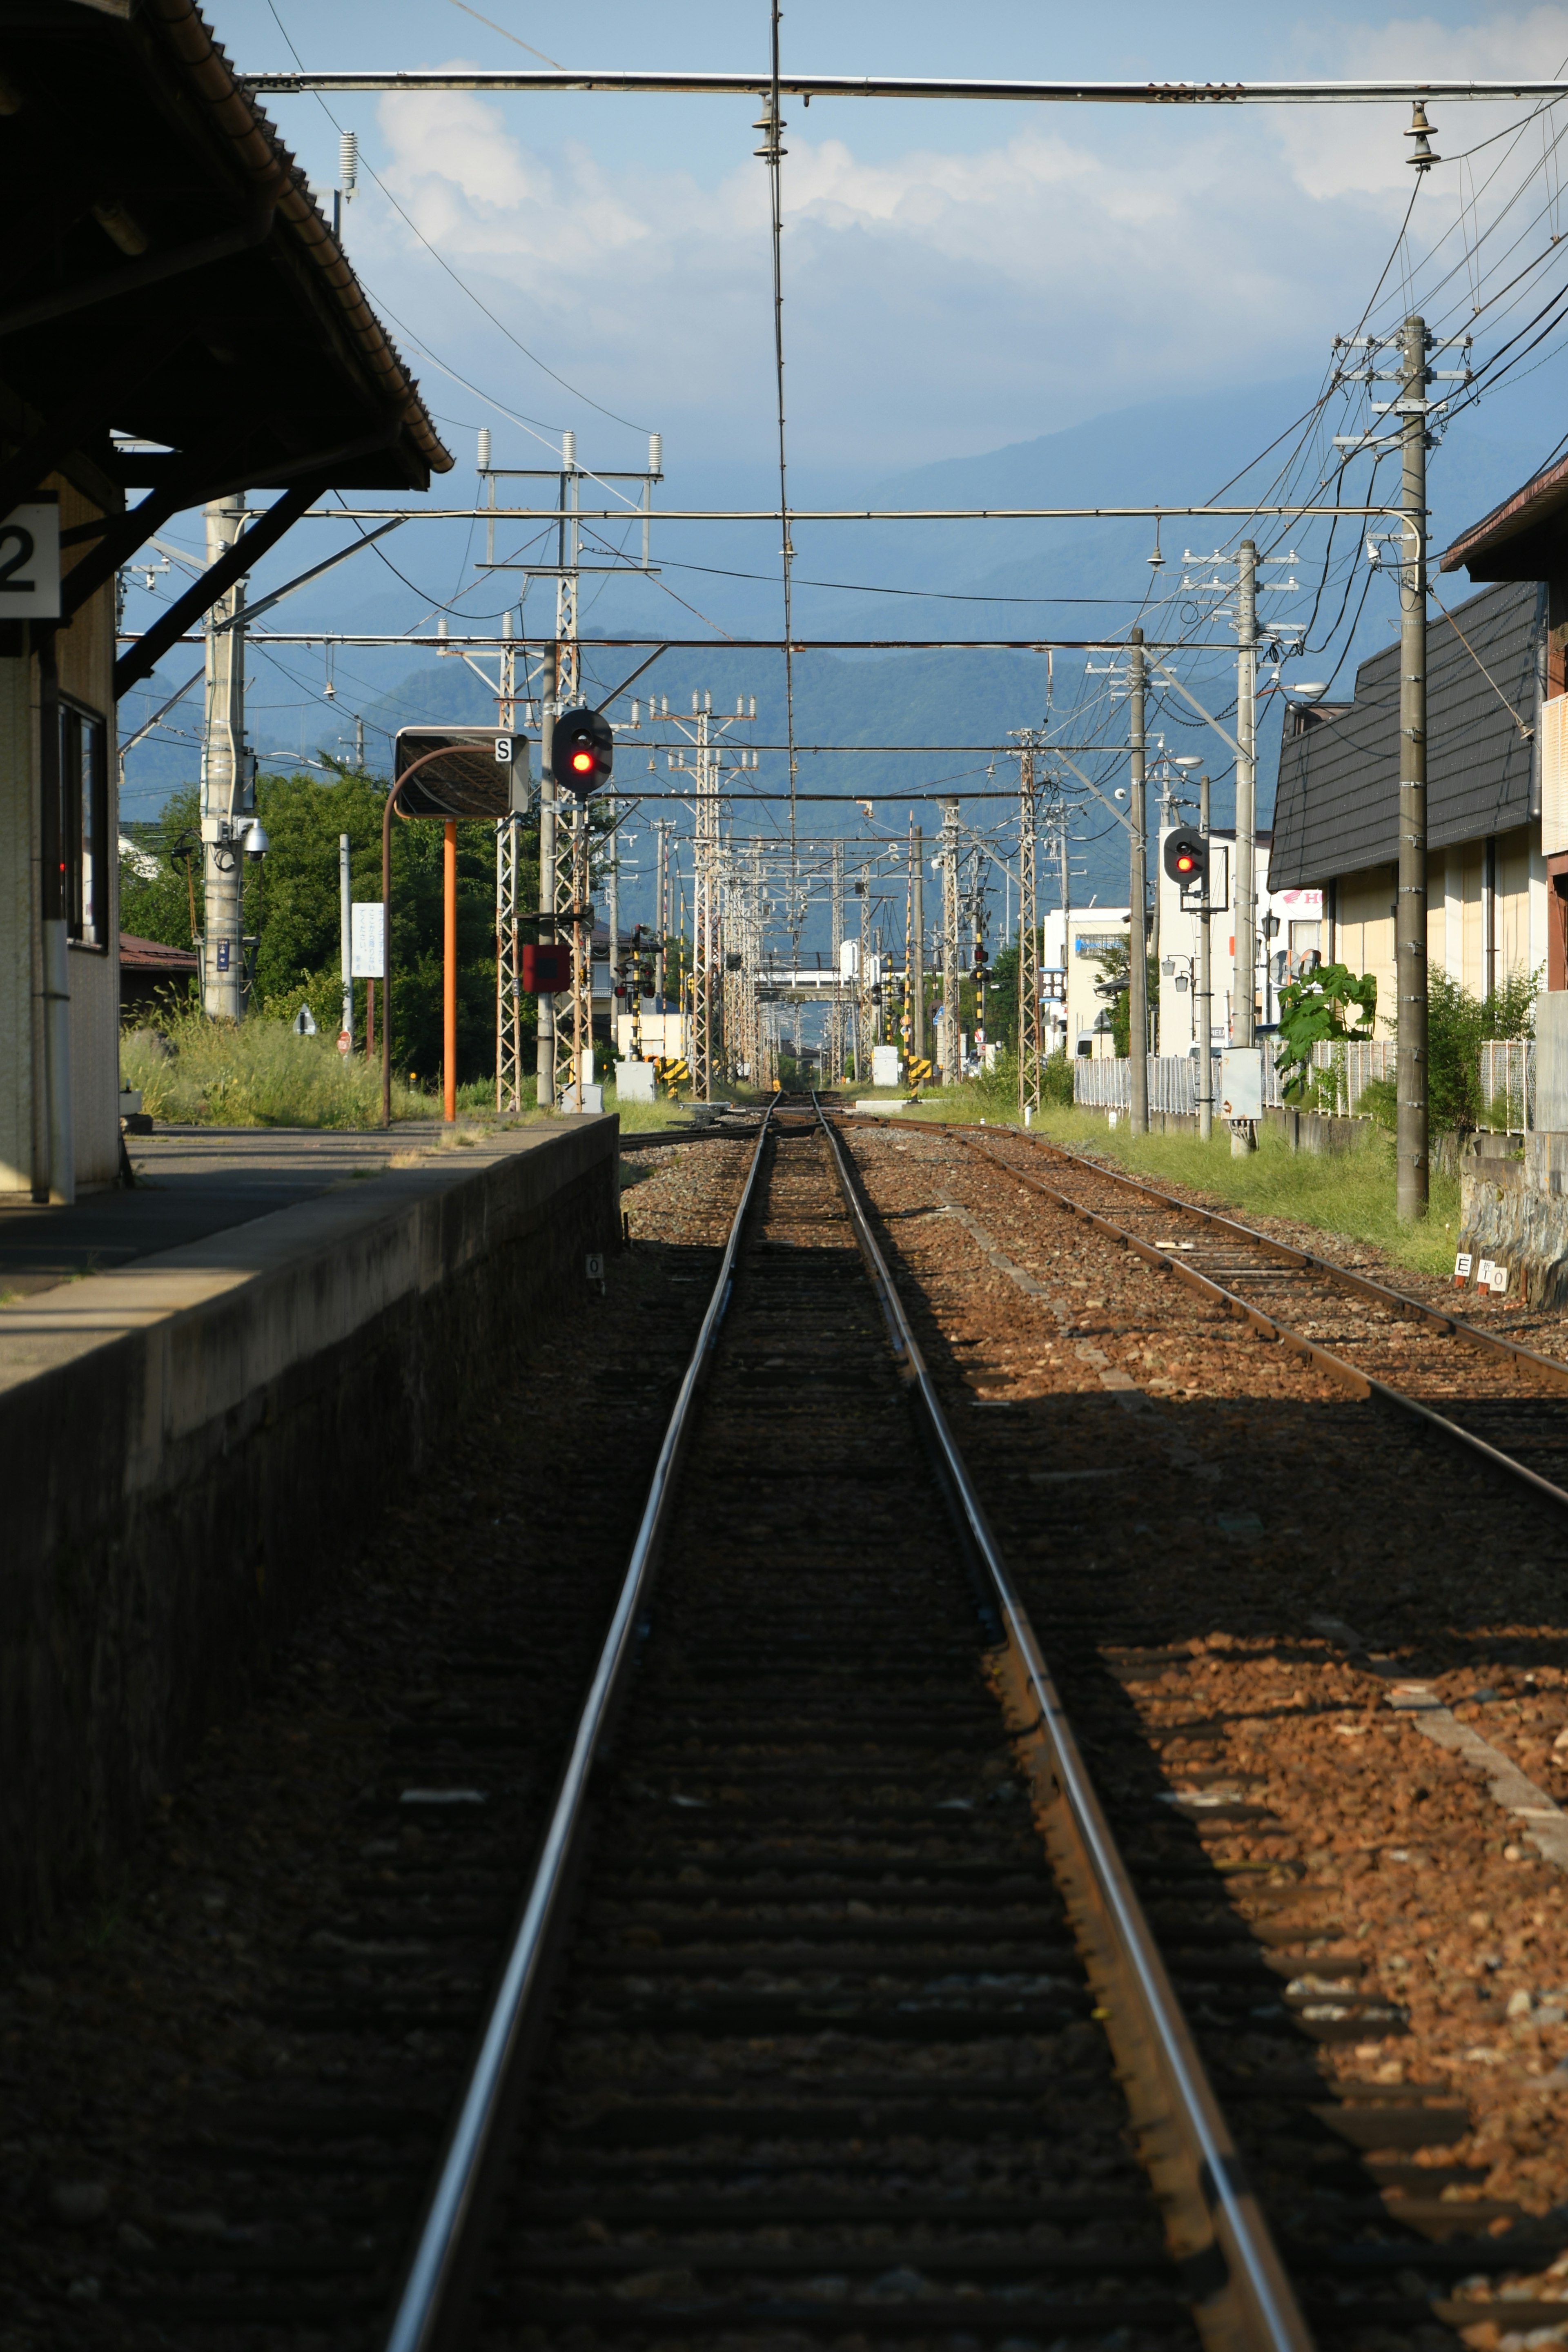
828,514
570,81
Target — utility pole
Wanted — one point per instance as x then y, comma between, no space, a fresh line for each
948,1042
544,1046
565,879
1070,1042
1138,891
345,918
916,973
227,791
1205,989
865,1025
509,902
1243,1026
1028,943
837,962
1410,945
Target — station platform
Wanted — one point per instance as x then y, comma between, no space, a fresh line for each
207,1386
193,1181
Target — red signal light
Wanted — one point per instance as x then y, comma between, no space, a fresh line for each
582,760
1186,862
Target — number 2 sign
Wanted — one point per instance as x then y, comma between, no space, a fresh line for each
30,563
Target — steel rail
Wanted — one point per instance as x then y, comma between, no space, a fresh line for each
1338,1367
633,82
430,2298
1547,1369
1242,2298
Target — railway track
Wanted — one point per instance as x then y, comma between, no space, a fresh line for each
830,2045
1486,1392
834,2012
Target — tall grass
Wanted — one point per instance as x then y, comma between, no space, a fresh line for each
254,1073
257,1073
1349,1193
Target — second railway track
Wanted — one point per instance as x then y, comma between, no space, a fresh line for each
1503,1400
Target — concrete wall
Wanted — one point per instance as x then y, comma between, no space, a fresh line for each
186,1444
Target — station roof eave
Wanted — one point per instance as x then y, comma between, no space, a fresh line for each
1525,537
178,284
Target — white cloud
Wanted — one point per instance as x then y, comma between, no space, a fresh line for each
936,299
1359,149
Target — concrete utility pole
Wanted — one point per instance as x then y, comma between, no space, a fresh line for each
345,918
1070,1042
1243,1030
838,1024
917,943
1410,945
544,1052
1138,891
1205,1071
1028,942
227,791
948,1042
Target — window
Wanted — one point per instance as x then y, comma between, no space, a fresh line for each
84,825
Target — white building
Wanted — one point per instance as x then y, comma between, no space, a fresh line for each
1289,928
1069,971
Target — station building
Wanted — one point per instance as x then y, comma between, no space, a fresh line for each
179,325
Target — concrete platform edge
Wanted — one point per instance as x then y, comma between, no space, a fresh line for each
184,1442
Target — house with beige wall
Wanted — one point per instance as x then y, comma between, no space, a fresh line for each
1336,815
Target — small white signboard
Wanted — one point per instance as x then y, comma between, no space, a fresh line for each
1241,1082
30,563
367,939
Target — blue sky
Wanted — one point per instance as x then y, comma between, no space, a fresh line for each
958,278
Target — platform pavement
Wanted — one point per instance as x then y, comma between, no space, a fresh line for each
196,1181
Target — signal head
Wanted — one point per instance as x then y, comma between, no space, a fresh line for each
583,751
1186,856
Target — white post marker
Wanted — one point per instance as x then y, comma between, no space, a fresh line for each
367,939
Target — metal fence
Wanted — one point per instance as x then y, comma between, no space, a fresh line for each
1172,1082
1508,1083
1339,1072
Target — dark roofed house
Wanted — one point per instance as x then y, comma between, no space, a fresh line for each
1336,812
1525,541
173,285
151,974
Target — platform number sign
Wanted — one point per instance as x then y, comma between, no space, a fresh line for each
30,562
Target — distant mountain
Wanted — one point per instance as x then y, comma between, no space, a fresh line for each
1018,580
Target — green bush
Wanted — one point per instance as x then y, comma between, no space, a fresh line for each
254,1073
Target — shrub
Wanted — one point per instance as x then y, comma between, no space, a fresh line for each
254,1073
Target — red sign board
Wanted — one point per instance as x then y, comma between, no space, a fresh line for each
546,970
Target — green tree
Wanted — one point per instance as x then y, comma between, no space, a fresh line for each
157,904
291,908
1313,1012
1116,962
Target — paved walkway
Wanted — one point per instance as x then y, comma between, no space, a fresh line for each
192,1182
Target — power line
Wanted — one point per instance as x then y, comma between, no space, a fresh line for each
436,256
